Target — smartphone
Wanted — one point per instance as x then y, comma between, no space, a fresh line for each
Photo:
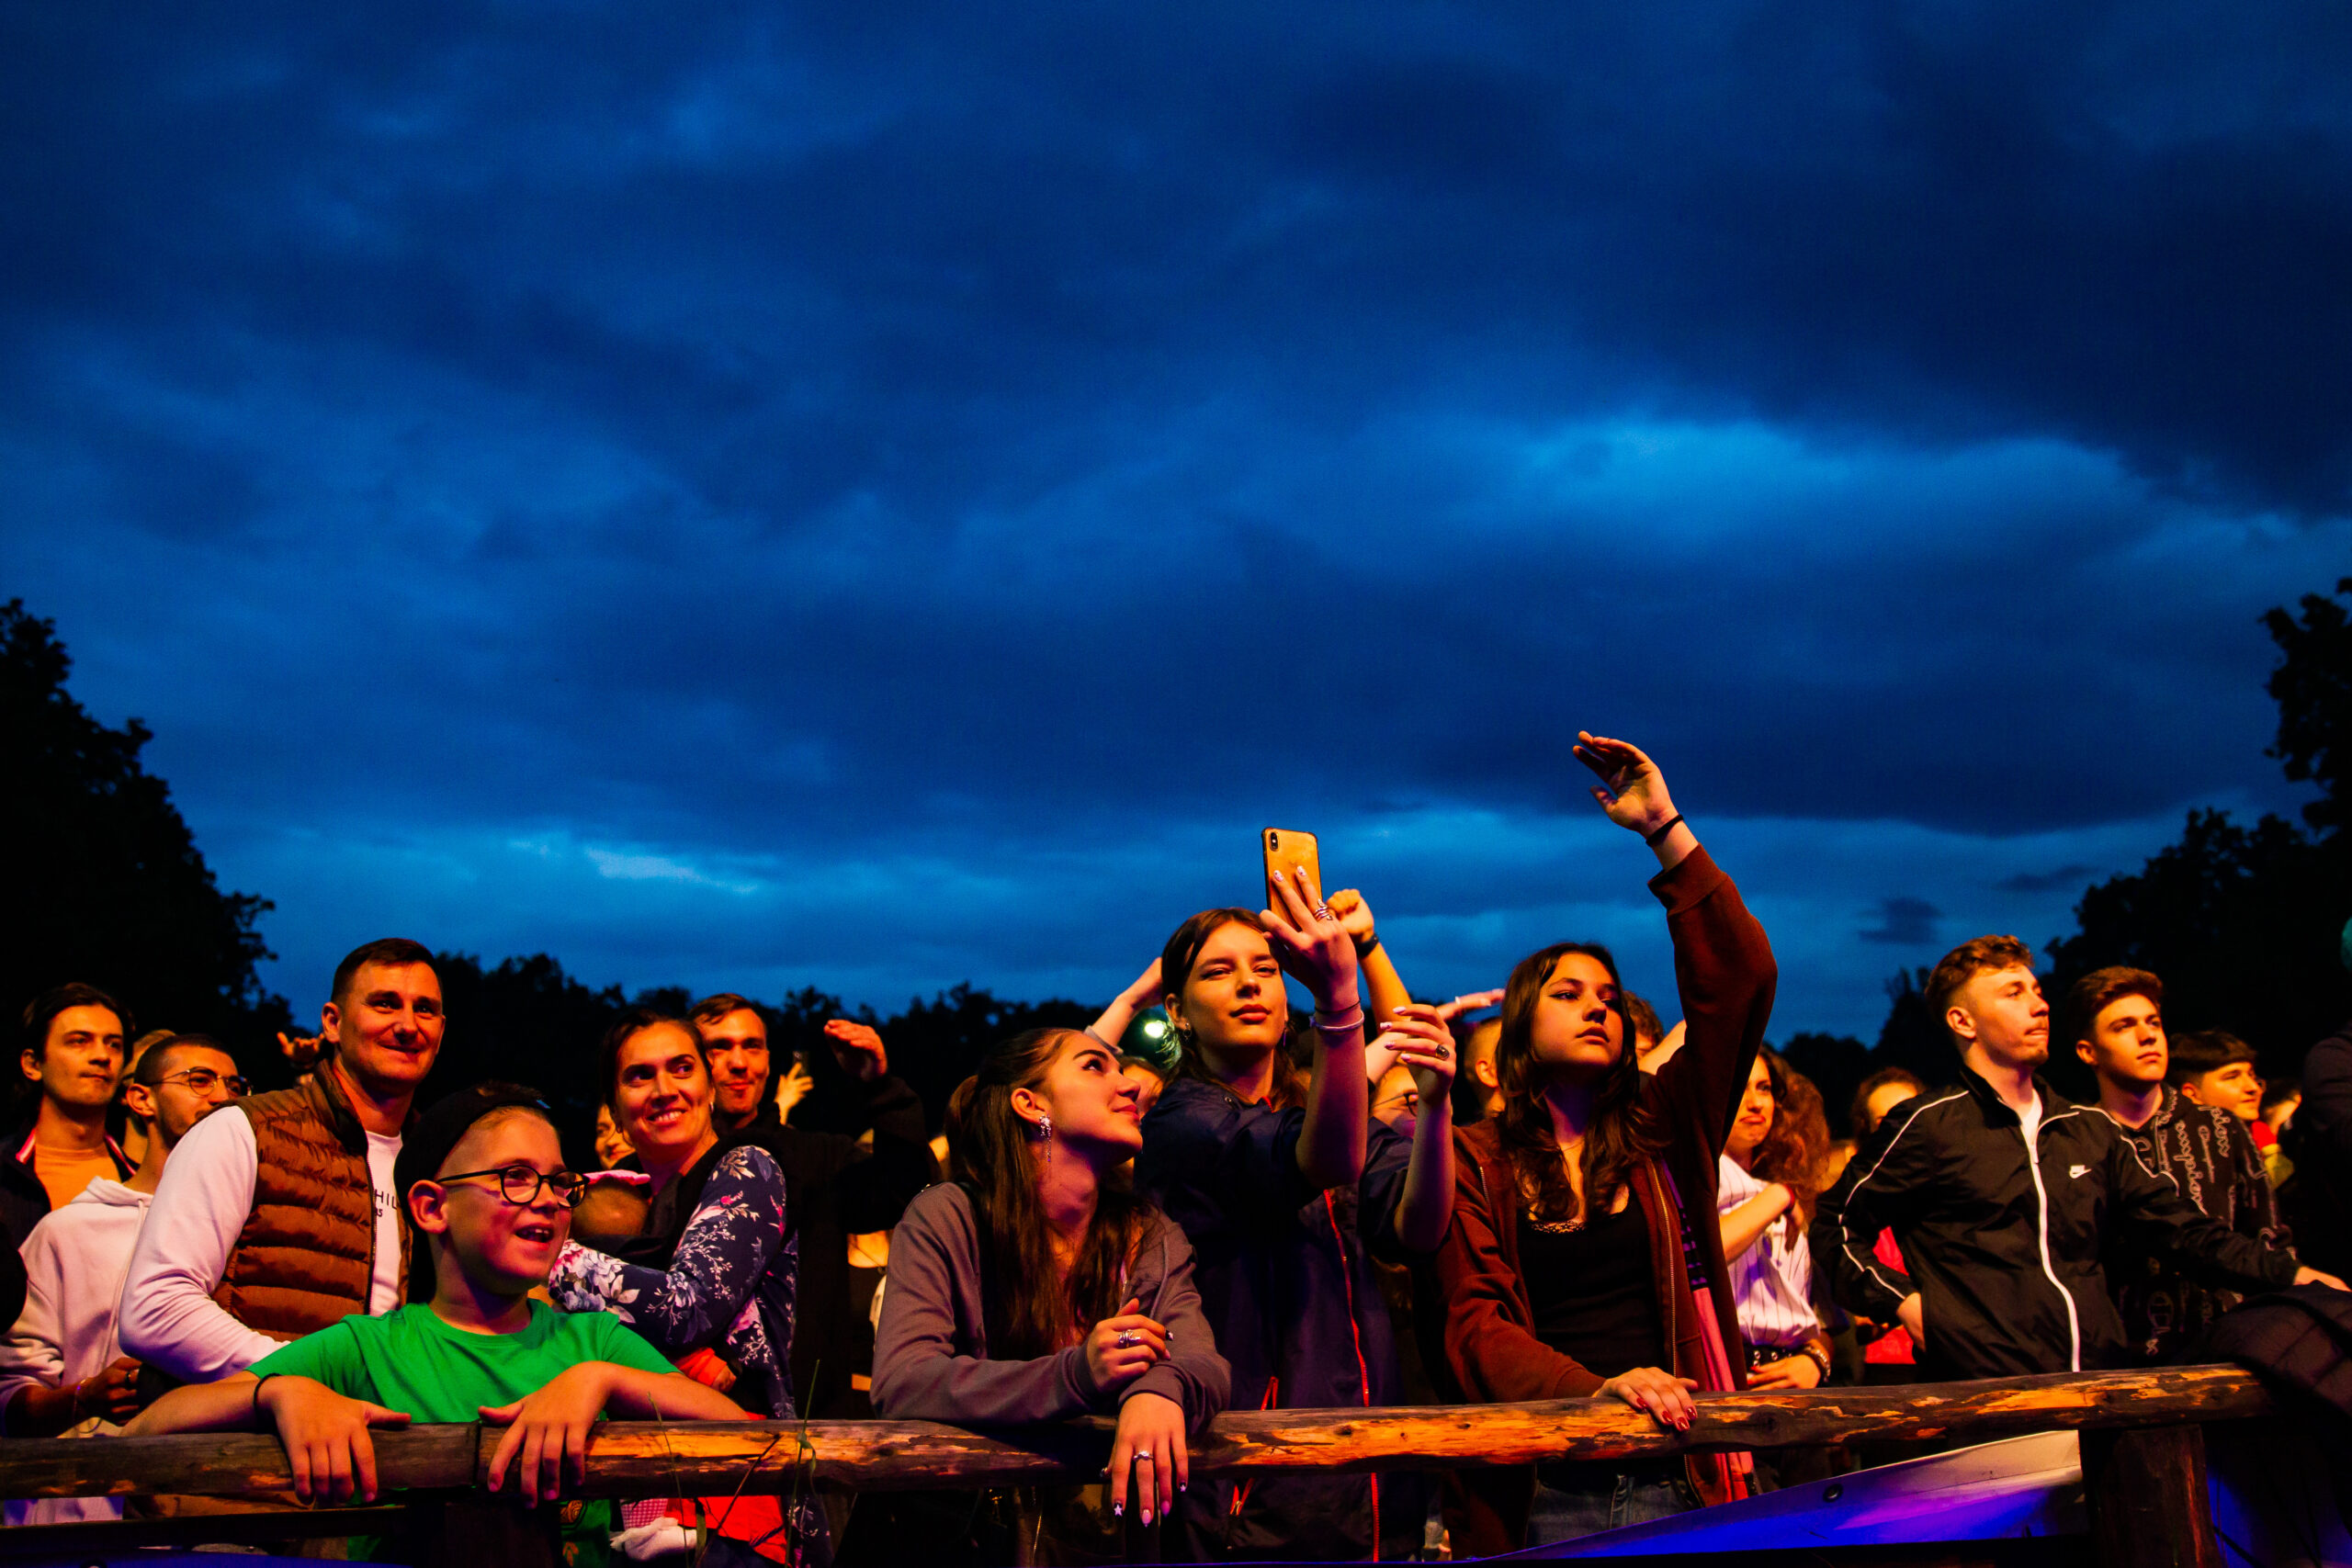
1286,848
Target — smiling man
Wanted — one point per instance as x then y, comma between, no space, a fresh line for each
2006,1198
2116,1019
281,1217
74,1052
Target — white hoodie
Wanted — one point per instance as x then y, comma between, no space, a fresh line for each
74,1263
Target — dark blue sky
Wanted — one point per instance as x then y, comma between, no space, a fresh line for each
874,497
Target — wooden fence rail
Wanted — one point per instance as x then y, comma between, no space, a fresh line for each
642,1458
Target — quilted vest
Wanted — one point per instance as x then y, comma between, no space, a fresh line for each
308,1250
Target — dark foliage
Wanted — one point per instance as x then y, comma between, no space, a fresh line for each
105,879
1837,1064
2312,687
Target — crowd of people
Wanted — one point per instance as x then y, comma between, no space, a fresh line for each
1201,1203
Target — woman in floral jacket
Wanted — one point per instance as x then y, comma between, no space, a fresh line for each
710,1279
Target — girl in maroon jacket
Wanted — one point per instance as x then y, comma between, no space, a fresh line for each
1583,1258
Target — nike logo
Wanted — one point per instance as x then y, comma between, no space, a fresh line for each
2078,1171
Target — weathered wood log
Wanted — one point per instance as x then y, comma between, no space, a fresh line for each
639,1459
2150,1503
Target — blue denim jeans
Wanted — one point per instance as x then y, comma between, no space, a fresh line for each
1574,1500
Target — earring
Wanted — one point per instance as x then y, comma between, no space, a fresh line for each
1045,1136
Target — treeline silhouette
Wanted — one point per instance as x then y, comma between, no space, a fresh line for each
2243,921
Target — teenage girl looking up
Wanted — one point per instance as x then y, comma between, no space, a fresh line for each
1285,1185
1585,1258
1036,1288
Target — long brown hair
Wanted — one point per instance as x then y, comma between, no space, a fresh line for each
1795,1150
1176,961
1031,1308
1622,1134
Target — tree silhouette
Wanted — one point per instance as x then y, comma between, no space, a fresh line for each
105,879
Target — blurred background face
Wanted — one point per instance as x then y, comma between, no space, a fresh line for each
1576,1025
2233,1087
661,1092
1883,1099
736,1045
196,1081
2127,1043
1233,999
612,1144
1395,1100
2005,1015
81,1060
387,1024
1756,1107
1147,1082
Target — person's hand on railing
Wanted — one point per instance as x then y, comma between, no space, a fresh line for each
1149,1442
2314,1276
1123,1347
547,1433
326,1435
1666,1397
858,1048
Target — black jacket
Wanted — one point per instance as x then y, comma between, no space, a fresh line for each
2318,1198
834,1189
2005,1250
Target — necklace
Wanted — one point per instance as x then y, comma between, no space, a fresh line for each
1560,1227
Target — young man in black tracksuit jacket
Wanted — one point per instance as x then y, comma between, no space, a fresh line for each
2003,1196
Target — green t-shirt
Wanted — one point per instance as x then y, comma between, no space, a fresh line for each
409,1360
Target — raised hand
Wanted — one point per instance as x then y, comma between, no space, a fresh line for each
326,1435
1149,1441
1123,1347
1310,943
792,1087
858,1049
1420,1039
1355,917
301,1050
1632,790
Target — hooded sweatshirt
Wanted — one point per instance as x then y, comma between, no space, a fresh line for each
74,1263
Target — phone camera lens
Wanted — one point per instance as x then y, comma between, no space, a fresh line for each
1274,841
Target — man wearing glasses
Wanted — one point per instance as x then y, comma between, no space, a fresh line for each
61,1368
282,1218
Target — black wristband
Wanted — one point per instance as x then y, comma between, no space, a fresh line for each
1364,948
1657,836
257,1383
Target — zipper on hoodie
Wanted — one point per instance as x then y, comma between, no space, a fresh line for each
2041,1198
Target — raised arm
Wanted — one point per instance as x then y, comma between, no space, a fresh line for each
1313,949
1110,1027
873,1189
1420,1039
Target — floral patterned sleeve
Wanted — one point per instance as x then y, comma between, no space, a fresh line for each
712,1278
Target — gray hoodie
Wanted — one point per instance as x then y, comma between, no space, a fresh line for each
931,1354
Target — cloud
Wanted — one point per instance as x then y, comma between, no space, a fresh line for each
787,468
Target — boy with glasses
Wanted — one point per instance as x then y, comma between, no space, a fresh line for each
482,1176
61,1368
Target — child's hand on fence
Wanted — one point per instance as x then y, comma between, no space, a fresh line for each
325,1438
1122,1347
548,1432
1149,1442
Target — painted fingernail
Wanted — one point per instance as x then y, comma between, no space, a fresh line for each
1117,1510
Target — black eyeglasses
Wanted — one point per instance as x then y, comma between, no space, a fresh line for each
202,1080
519,1184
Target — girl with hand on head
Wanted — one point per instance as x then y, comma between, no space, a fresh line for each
1035,1288
1286,1185
1768,1179
1585,1258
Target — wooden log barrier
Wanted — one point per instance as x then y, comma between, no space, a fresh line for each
692,1459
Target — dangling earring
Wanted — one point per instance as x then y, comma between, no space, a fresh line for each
1045,1136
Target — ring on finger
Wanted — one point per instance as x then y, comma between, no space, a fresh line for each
1143,1456
1128,1339
1323,912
